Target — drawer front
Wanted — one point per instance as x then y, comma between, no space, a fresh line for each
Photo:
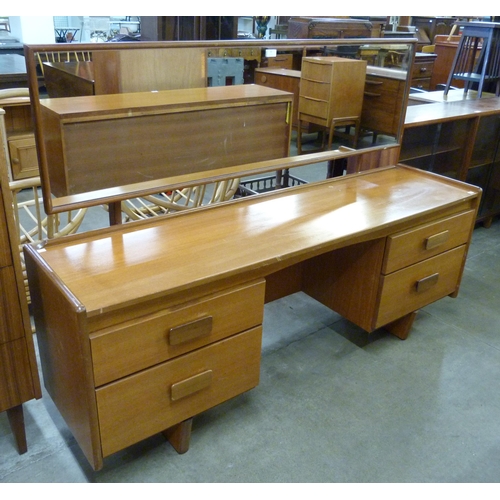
315,90
421,83
378,86
139,344
23,157
280,61
416,286
313,107
409,247
422,69
316,72
149,402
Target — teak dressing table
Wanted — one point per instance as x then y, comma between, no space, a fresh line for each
143,326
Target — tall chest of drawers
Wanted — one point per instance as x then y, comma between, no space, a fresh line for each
19,380
331,91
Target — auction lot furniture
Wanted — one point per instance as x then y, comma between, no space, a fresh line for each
136,338
457,136
19,380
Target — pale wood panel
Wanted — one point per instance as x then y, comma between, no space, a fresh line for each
149,69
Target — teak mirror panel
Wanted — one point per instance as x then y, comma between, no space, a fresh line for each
129,137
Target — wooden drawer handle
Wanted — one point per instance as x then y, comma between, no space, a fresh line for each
373,82
426,283
436,239
190,331
191,385
372,94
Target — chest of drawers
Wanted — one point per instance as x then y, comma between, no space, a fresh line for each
18,370
384,96
422,70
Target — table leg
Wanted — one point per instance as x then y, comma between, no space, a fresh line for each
402,326
16,421
179,435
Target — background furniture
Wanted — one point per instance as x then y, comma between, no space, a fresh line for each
458,139
19,380
318,27
331,94
477,59
17,130
254,118
384,93
186,337
422,70
13,71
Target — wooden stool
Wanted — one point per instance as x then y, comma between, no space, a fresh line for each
475,63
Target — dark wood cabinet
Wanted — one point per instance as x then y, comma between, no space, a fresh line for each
189,27
458,139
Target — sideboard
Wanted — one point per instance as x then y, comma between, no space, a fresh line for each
145,325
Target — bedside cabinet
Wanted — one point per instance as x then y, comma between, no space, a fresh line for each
422,70
331,94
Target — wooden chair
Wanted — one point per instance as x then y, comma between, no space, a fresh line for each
178,200
78,56
32,223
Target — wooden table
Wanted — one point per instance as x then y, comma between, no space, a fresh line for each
68,79
145,325
12,71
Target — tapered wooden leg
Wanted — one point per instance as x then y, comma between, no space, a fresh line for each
16,421
179,435
401,327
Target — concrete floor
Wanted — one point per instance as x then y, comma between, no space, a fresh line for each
334,404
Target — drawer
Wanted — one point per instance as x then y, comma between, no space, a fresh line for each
379,86
137,344
421,83
316,72
23,157
279,61
149,402
422,69
416,286
409,247
314,90
313,107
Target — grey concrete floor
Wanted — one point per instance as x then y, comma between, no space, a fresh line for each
334,404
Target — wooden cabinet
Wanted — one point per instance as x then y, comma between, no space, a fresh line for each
422,70
317,27
331,92
384,97
135,338
18,371
22,161
248,123
458,139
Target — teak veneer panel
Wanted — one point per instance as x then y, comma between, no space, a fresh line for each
143,136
